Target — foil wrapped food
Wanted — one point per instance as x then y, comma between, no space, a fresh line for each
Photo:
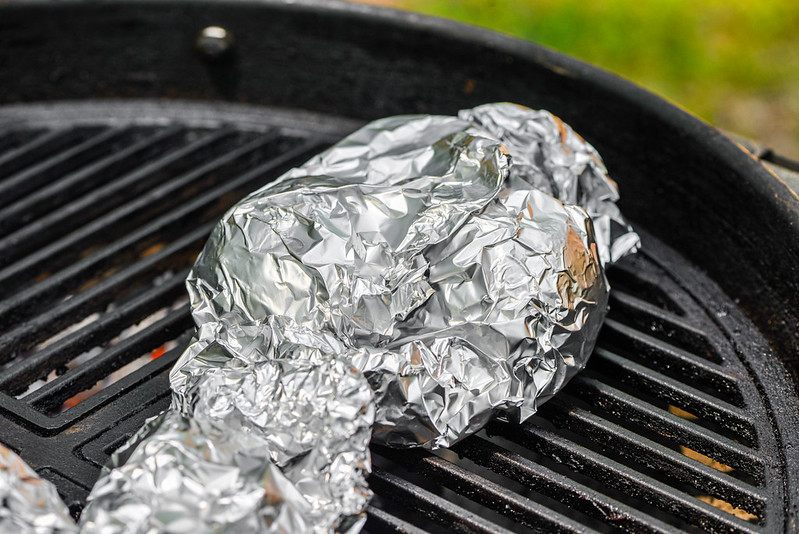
446,253
30,505
268,433
420,277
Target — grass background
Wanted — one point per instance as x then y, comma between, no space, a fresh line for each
734,63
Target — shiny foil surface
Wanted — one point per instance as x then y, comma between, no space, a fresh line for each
268,433
552,158
423,275
459,284
30,505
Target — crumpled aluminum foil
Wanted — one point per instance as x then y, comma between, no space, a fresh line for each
418,278
268,433
30,505
460,286
551,157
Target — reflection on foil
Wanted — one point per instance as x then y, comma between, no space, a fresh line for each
418,278
551,157
30,505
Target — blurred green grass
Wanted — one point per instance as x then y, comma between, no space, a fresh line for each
735,63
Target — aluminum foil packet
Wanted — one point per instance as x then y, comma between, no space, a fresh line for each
423,275
30,505
448,254
268,433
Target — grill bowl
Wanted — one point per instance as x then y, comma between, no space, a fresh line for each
107,107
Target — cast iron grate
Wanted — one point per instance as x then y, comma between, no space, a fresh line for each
103,209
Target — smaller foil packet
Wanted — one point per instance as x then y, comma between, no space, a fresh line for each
420,277
30,505
268,433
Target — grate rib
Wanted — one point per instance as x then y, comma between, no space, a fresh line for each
16,378
40,147
673,391
488,493
621,478
19,307
152,376
566,413
573,494
640,277
37,329
675,429
31,178
13,139
84,376
102,199
682,332
16,245
672,360
381,520
51,198
433,506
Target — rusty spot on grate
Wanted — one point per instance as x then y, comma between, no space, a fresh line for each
679,412
708,461
727,507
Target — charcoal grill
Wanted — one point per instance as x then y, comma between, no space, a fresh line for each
125,132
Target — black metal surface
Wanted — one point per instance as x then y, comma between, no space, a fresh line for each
671,426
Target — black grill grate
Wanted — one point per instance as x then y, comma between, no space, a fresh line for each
103,210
